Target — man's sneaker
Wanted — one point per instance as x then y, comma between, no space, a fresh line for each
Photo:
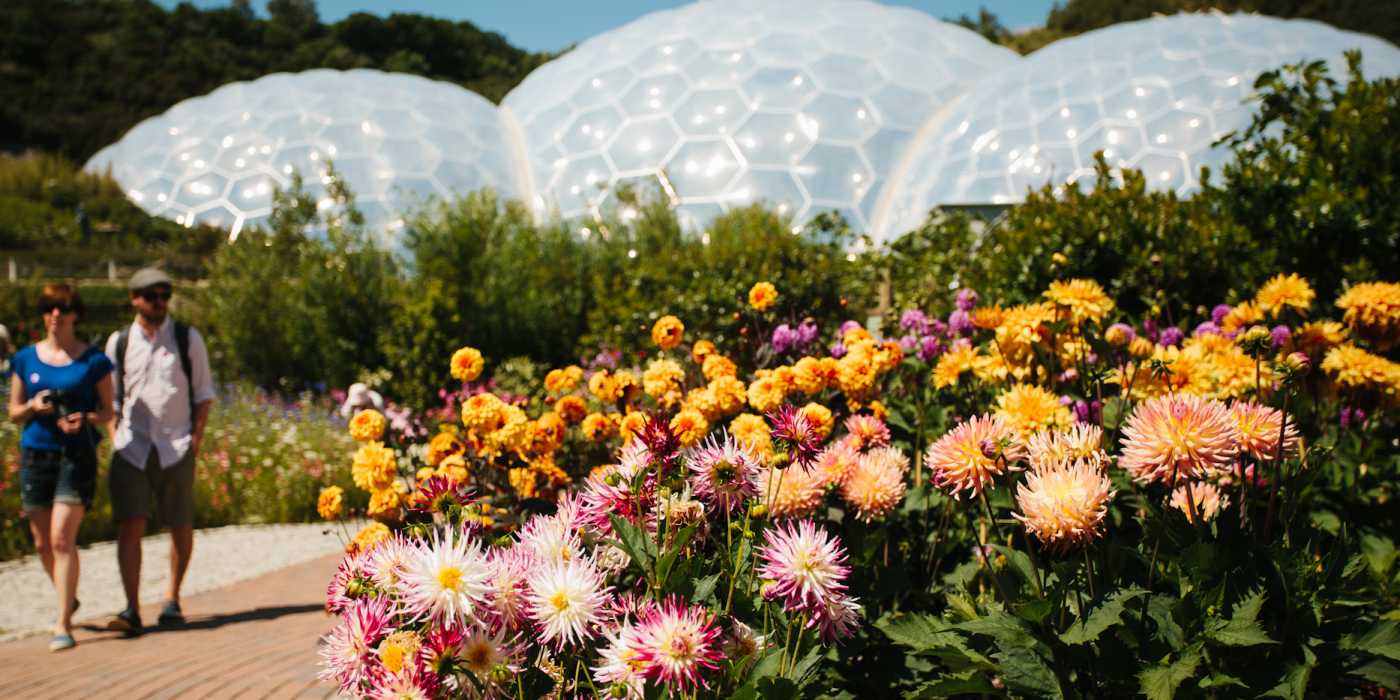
128,621
171,615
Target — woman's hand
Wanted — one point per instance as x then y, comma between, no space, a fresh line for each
71,423
39,403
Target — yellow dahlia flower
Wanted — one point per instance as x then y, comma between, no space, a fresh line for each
1064,505
1241,316
631,425
1080,443
1316,336
330,502
442,445
1357,370
1084,299
987,317
766,393
374,466
454,468
762,296
953,364
367,425
663,377
1028,408
482,412
1178,438
1284,292
385,505
466,364
1373,312
808,376
730,394
667,332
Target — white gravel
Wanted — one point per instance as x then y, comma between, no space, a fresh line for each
222,556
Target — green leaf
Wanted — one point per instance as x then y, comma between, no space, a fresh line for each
1380,672
635,542
1221,680
1160,683
969,682
1021,563
1243,629
668,558
704,587
1160,608
918,632
1380,556
1294,685
1025,671
1383,639
1106,615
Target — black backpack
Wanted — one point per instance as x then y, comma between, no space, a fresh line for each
182,341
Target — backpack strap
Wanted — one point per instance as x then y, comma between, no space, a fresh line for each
119,391
182,341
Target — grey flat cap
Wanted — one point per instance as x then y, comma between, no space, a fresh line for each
148,277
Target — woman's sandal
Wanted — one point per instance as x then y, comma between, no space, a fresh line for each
62,642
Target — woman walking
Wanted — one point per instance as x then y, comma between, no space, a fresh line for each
60,390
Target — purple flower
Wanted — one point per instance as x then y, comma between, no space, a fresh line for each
1081,411
914,320
1171,335
1206,328
1125,329
1149,330
937,327
849,326
966,300
930,348
806,333
1280,335
909,343
785,338
1352,416
838,350
960,323
1219,313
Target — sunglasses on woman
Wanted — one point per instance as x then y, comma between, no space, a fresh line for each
47,308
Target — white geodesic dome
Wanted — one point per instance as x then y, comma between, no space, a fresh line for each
397,139
1153,95
804,104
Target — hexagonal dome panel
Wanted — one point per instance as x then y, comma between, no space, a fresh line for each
397,139
1153,94
728,102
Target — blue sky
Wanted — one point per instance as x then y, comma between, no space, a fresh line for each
549,25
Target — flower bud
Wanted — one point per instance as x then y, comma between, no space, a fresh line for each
758,511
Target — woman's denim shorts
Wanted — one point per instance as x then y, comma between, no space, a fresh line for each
64,476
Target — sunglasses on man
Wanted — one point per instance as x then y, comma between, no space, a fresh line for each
154,295
48,307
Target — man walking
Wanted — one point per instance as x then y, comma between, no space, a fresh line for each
163,391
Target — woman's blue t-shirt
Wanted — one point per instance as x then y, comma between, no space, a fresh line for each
78,382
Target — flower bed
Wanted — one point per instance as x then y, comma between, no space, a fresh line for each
1033,500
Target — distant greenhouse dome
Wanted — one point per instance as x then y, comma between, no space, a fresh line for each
397,139
804,104
1152,95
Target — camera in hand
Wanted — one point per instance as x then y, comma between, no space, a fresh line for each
63,402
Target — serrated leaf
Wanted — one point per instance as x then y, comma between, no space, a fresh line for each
1382,639
1380,556
962,605
704,587
1106,615
634,541
1159,608
1221,680
1380,672
970,682
1294,685
1242,630
918,632
1021,563
1160,683
1025,671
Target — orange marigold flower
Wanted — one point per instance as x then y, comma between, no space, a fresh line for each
482,412
442,445
604,386
1179,437
808,376
765,393
385,505
596,427
701,350
367,425
564,379
752,432
820,417
571,408
1355,369
689,427
959,360
667,332
730,394
762,296
716,366
987,317
374,466
369,536
454,468
466,364
663,377
330,502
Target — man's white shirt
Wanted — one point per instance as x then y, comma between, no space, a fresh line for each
156,410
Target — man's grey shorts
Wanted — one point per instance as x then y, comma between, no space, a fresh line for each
173,487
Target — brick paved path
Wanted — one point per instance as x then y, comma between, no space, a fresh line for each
256,639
